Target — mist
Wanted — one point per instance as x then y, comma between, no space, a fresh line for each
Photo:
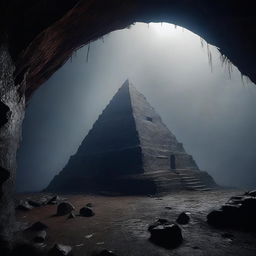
211,113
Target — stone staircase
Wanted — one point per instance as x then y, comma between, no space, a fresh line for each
173,180
192,183
163,182
196,180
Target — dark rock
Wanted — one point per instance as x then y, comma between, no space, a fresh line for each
231,209
34,203
40,237
43,200
54,200
252,193
64,208
71,215
89,205
38,226
86,212
183,218
24,206
249,204
239,212
217,218
227,235
60,250
157,223
168,235
104,253
168,207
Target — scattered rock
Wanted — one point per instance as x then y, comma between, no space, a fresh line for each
89,205
54,200
64,208
24,206
86,212
157,223
38,226
183,218
104,253
34,203
40,237
60,250
71,215
165,234
43,200
252,193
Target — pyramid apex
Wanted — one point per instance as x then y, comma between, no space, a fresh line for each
126,83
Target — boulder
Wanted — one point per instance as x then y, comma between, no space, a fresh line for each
35,203
249,204
24,206
43,200
38,226
54,200
86,212
238,212
60,250
89,205
183,218
157,223
217,218
252,193
40,237
64,208
168,235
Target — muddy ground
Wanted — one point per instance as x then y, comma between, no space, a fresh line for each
120,224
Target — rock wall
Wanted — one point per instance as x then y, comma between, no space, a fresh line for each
12,107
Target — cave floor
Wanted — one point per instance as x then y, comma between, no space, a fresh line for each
120,224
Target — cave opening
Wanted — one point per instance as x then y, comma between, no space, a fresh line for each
36,59
163,57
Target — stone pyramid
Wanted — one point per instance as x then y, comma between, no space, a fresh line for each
129,149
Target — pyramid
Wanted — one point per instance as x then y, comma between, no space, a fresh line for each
129,149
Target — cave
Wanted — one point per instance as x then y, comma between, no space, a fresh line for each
38,37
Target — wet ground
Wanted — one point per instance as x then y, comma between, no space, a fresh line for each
120,224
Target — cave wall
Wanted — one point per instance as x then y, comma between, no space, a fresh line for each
37,37
12,107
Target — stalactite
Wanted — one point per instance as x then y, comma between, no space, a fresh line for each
88,51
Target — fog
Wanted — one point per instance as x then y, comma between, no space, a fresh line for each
212,114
